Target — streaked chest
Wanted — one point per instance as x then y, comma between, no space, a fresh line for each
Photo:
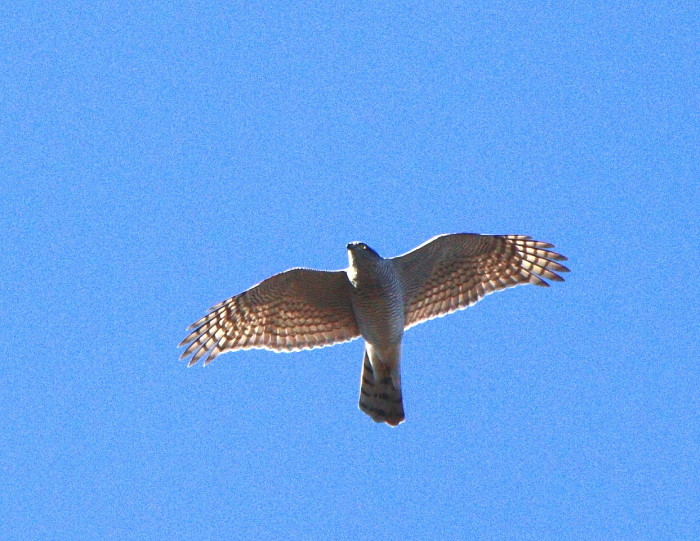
379,310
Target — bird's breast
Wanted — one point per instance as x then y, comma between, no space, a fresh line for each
379,311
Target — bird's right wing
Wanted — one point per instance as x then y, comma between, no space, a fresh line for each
451,272
293,310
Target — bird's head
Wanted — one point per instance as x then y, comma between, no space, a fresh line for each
361,256
360,249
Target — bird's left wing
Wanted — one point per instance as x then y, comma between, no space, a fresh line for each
294,310
451,272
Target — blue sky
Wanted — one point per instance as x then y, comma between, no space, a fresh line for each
158,159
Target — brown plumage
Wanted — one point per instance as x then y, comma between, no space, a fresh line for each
375,298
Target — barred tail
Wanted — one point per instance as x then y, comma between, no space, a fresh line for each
380,396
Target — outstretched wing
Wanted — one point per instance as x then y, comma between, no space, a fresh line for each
451,272
293,310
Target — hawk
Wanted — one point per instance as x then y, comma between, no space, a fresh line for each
375,298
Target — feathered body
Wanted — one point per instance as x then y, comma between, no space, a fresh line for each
378,303
375,298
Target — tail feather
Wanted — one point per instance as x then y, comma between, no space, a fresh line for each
380,395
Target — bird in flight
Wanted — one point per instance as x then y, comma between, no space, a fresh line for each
374,298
